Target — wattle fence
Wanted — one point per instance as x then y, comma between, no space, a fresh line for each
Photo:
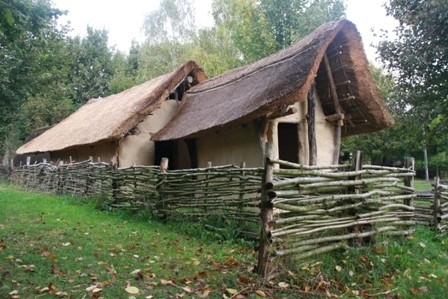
292,209
308,210
221,195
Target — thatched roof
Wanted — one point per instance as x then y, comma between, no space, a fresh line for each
249,92
110,118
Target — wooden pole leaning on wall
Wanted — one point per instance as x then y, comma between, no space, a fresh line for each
266,214
409,163
436,204
337,107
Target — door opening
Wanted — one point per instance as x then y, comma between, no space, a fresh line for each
288,142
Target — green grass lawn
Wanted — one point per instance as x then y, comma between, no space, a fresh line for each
422,185
52,246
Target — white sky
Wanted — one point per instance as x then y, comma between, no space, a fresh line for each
124,19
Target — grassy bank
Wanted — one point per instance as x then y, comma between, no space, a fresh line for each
53,246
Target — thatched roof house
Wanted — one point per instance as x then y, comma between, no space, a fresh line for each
118,127
302,100
348,100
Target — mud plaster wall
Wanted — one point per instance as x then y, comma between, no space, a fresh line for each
231,146
138,149
105,152
325,133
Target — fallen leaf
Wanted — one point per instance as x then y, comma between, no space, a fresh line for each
132,290
232,291
167,282
51,288
66,244
2,246
422,245
379,249
61,294
260,293
244,279
338,268
203,293
283,285
15,292
187,289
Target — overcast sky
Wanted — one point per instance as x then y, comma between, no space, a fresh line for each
124,19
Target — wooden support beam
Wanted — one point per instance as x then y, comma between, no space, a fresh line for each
311,120
338,109
335,117
283,112
334,94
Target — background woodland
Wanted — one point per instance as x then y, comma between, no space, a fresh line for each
46,74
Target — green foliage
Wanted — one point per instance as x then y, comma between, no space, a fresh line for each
90,65
418,60
260,28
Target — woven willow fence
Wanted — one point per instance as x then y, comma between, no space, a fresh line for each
431,208
307,210
218,194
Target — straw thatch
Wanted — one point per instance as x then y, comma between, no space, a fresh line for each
108,119
249,92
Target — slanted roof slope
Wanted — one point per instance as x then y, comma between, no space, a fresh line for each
110,118
251,91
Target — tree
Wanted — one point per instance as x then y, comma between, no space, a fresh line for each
25,26
90,66
418,60
260,28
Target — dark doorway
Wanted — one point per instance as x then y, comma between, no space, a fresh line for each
164,149
181,154
288,142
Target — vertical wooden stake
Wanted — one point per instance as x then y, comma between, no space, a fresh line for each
266,214
160,207
436,205
209,166
409,163
356,166
28,160
242,182
311,119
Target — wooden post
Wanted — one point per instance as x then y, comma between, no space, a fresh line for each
409,163
209,166
337,108
70,159
242,183
160,207
356,166
266,214
436,204
311,120
28,160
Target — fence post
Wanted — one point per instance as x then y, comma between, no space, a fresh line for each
436,204
409,163
162,205
266,213
356,166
